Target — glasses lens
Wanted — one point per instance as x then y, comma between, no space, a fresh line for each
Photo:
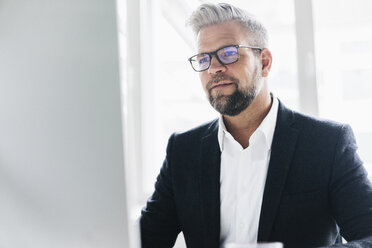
228,55
200,62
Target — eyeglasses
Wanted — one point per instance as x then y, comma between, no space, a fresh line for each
225,55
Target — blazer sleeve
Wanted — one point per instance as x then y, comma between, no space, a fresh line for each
351,193
159,223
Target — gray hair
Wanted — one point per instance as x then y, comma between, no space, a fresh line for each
210,14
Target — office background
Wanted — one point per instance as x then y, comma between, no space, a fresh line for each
66,68
321,66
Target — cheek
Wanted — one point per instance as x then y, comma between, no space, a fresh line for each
201,76
204,79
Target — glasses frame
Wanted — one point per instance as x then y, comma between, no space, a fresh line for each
219,60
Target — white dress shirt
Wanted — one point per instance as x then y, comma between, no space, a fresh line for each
243,176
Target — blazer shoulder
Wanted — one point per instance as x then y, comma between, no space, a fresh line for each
198,132
316,121
299,120
183,146
321,129
310,127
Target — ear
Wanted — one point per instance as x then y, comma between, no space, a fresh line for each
266,60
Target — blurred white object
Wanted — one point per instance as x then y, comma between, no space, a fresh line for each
62,181
258,245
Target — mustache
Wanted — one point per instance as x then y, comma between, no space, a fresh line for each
217,78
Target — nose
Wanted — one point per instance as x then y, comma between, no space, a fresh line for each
216,66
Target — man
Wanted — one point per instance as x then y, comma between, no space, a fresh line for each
261,172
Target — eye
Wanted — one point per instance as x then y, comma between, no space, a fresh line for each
229,53
204,59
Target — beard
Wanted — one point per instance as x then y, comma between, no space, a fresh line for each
239,100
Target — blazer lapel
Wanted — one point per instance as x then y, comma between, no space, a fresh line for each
210,187
282,150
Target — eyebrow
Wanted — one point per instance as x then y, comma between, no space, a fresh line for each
217,48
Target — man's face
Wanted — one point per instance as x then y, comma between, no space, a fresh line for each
229,88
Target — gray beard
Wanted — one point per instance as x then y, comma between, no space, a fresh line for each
235,103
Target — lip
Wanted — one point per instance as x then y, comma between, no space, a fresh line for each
221,84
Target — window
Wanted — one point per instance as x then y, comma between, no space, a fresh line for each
343,39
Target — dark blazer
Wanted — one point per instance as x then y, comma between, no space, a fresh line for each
316,188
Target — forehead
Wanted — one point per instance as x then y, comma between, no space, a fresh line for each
212,37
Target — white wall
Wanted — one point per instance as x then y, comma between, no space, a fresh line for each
61,160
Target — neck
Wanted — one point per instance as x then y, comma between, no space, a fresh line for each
243,125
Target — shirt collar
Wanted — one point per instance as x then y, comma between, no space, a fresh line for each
266,127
